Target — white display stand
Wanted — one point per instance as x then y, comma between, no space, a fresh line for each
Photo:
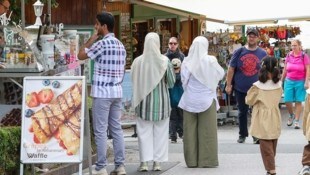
56,130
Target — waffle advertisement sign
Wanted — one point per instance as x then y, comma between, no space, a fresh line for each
52,119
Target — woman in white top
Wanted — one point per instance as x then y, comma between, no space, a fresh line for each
200,76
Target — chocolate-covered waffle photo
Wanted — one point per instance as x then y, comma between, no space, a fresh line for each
53,114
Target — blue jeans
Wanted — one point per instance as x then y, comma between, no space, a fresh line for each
242,113
107,115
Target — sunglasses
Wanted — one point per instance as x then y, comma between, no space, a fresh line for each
173,43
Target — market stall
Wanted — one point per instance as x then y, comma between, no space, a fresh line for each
274,39
38,50
167,22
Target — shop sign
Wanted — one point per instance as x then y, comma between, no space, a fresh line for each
238,29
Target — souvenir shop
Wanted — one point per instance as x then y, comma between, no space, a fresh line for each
274,39
167,22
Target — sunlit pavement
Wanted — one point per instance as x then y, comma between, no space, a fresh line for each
234,158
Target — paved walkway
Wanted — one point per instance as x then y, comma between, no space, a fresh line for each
234,158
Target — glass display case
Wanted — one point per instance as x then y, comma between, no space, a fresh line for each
16,53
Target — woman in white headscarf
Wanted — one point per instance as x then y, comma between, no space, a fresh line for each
200,76
152,74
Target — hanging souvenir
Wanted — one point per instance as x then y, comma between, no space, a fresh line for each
289,33
296,30
281,32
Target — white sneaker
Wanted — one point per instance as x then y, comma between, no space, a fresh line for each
296,125
143,167
156,166
120,170
102,171
305,170
290,120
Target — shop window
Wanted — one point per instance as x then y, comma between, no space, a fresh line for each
139,31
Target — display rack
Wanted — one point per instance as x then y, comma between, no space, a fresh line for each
126,37
164,38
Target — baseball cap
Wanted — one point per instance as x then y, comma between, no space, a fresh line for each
252,31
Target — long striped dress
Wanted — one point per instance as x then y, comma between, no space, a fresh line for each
156,105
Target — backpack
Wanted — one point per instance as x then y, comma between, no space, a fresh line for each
302,55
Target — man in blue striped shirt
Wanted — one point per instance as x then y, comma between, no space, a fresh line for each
109,56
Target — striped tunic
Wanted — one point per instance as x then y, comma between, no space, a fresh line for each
156,105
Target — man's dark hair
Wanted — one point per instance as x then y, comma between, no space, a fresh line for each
106,18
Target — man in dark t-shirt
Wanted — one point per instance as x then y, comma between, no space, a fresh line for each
243,71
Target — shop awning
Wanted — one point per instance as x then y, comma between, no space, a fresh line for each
243,12
176,11
267,20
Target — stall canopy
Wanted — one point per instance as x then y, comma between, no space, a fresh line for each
171,9
243,12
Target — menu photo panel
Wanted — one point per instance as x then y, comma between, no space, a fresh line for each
53,119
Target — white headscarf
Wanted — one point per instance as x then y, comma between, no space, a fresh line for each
202,66
148,69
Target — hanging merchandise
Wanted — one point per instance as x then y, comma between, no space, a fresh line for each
277,32
289,34
281,32
242,40
222,44
272,33
214,40
224,36
264,34
223,55
296,30
234,36
276,52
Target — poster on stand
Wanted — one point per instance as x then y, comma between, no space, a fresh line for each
53,119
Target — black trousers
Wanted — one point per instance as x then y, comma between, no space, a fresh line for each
243,113
176,122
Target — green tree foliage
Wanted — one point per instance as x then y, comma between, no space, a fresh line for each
16,7
9,149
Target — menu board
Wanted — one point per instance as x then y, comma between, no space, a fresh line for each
53,119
